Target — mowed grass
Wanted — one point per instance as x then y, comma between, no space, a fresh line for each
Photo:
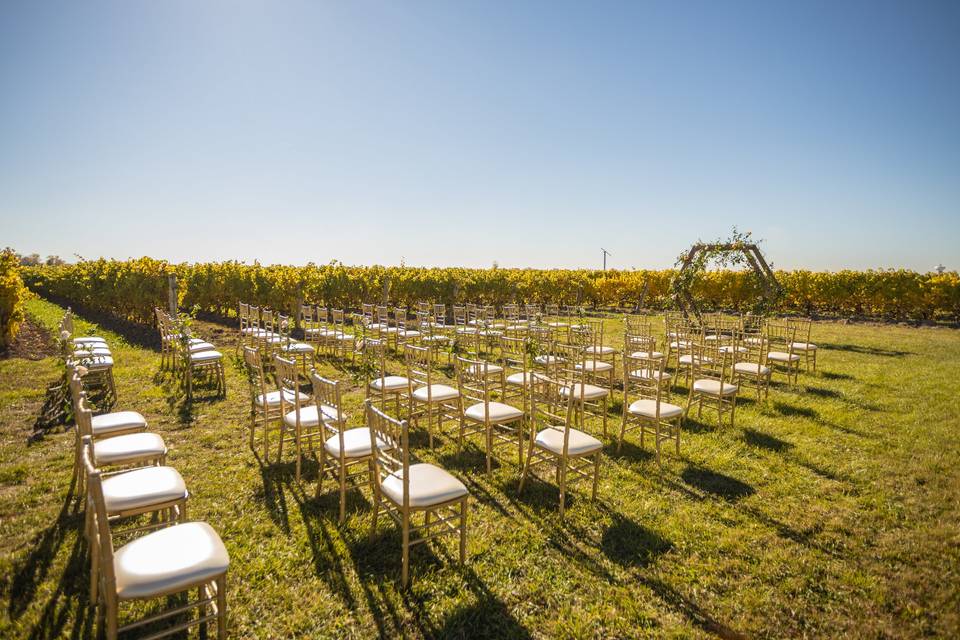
830,510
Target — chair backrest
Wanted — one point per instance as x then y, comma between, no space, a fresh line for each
511,313
588,332
440,314
514,352
389,440
548,410
102,541
326,395
83,416
637,325
288,383
459,316
367,311
419,361
337,318
641,377
570,367
803,328
400,318
531,311
382,316
711,363
243,315
283,328
373,355
551,311
473,380
633,343
253,364
782,335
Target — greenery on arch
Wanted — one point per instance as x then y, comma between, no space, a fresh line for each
736,251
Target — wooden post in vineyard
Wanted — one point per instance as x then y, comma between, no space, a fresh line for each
386,292
172,293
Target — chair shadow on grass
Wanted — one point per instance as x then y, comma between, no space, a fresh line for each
70,598
717,484
869,351
766,441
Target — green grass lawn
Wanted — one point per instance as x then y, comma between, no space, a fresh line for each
832,509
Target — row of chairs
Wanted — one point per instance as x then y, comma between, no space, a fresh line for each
189,357
93,353
141,546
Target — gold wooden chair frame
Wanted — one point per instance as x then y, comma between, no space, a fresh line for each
555,441
403,490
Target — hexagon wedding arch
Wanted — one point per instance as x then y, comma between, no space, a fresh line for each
739,249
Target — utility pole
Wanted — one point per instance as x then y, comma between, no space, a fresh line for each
605,254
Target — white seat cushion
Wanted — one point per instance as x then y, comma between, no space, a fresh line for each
169,560
356,443
273,397
578,444
804,346
782,356
586,391
676,344
142,487
546,359
648,408
429,485
731,349
437,393
390,383
712,387
298,347
519,379
91,349
204,357
751,368
197,347
688,359
647,354
644,374
129,447
309,416
118,421
600,350
499,412
595,365
557,325
408,333
492,369
90,340
93,362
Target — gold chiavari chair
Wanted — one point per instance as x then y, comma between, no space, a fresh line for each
302,418
404,490
579,377
302,353
161,564
709,370
499,422
380,385
781,337
750,368
346,454
426,397
556,441
515,359
645,380
803,347
406,333
342,342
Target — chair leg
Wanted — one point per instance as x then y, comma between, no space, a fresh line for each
596,476
405,571
463,531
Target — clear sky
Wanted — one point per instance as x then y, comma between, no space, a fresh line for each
463,133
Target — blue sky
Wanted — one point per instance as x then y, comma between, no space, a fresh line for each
463,133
